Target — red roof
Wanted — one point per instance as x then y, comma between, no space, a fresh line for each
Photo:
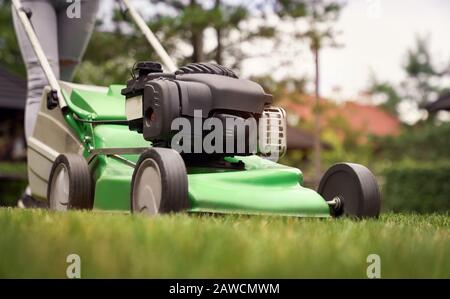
360,117
371,119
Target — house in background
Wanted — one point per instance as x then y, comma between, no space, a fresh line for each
370,119
300,139
350,120
363,118
13,90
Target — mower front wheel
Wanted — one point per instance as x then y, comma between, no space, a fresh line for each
70,184
159,184
351,190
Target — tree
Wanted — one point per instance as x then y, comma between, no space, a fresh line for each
422,84
390,96
321,16
423,81
226,18
188,21
197,20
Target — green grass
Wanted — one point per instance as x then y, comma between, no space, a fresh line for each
36,244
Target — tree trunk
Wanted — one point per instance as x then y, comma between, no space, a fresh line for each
219,48
317,128
196,40
197,44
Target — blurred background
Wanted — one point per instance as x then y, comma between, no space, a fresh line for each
366,81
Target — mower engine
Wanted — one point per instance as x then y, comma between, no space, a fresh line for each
203,101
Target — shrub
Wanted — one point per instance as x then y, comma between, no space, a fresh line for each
421,188
424,141
13,182
10,191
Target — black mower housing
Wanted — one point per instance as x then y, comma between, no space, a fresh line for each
167,96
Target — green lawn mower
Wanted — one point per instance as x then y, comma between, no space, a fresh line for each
140,147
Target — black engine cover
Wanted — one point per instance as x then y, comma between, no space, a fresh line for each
166,97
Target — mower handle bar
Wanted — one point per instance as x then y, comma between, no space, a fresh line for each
151,38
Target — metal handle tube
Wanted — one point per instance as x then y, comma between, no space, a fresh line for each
152,39
39,51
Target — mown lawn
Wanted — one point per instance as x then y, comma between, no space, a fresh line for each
36,244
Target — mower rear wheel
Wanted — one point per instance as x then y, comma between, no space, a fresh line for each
351,190
70,184
159,184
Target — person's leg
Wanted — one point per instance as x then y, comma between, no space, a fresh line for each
44,23
74,35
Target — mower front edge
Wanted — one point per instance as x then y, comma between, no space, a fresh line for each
257,191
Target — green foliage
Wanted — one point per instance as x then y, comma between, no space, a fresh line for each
110,57
319,10
417,175
36,244
419,61
192,18
10,191
424,141
348,150
321,16
10,56
416,187
423,82
179,25
389,92
13,168
12,182
291,8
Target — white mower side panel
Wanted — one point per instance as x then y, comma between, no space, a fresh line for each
51,137
133,108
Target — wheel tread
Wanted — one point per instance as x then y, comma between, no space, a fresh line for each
80,181
173,179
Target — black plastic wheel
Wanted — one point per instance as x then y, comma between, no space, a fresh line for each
159,184
70,184
206,68
351,190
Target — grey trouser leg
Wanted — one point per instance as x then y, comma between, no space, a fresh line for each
62,39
